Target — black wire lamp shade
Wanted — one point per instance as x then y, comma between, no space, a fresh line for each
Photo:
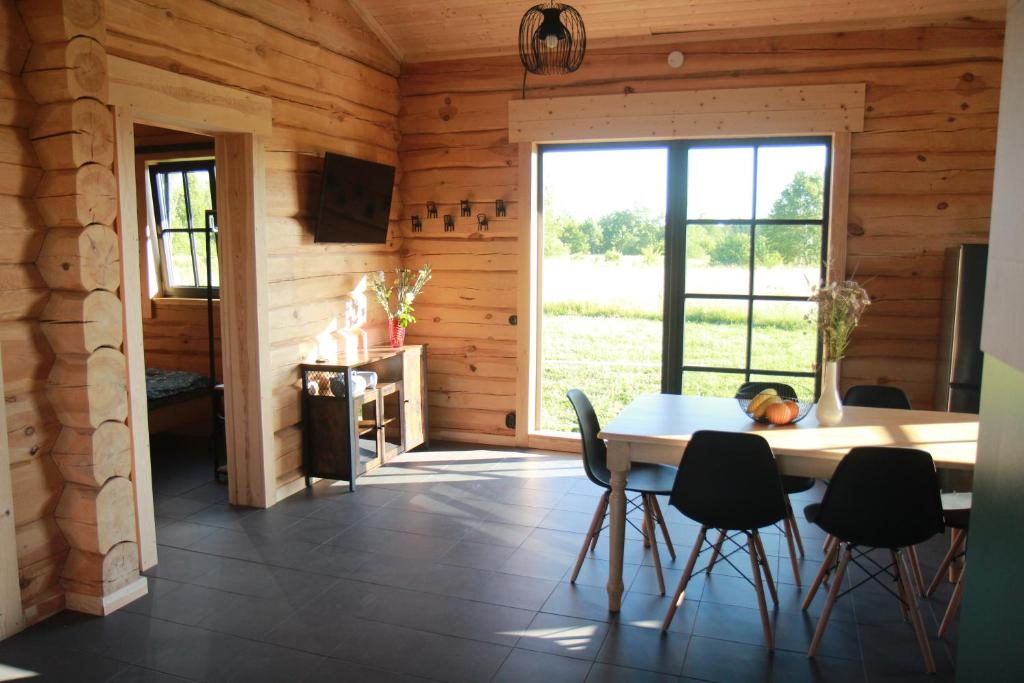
552,39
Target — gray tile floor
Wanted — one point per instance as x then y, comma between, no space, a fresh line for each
451,565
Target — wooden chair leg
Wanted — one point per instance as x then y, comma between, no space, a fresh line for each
595,524
763,557
947,560
915,615
796,531
664,527
762,605
825,543
645,529
604,511
954,604
680,593
833,592
915,566
655,556
826,567
788,526
715,552
905,593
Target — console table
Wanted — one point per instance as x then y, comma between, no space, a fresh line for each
346,434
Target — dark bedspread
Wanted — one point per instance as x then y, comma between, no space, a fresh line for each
162,384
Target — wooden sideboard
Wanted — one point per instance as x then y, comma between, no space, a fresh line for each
348,433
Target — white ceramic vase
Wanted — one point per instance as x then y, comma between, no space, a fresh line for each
829,410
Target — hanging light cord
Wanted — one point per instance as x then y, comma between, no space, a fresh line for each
525,71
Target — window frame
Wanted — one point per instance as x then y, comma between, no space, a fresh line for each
676,295
154,172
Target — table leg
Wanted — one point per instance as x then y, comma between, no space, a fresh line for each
618,464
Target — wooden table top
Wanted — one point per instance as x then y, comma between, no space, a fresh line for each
668,420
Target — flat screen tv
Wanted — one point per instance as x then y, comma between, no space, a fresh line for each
355,201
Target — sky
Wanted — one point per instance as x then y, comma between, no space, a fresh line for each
590,184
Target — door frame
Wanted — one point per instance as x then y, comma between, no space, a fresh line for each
237,121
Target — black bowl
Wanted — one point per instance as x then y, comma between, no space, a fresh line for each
744,399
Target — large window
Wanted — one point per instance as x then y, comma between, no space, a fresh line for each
682,267
743,261
184,204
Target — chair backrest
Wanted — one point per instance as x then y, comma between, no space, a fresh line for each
595,454
729,480
876,396
883,498
752,389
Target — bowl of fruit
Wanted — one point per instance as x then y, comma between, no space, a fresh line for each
775,404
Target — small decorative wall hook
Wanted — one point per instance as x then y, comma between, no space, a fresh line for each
481,222
499,208
449,223
417,224
431,210
464,209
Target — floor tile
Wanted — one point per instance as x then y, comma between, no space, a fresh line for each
644,648
525,665
565,636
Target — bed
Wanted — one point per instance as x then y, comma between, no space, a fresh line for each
167,387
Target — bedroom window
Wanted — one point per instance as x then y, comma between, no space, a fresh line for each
184,207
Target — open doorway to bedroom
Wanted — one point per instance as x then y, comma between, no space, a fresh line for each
176,196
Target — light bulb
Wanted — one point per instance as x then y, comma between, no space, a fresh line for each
551,41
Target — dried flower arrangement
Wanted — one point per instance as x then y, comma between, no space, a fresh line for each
840,306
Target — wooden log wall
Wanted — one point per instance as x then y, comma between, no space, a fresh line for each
72,135
334,88
921,180
31,424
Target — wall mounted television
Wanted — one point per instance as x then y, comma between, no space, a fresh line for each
355,201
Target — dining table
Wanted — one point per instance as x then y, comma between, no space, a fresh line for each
655,428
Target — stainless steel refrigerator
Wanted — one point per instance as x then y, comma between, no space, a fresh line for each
960,359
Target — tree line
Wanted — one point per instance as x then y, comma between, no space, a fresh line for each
639,232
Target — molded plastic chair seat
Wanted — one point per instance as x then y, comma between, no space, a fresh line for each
651,478
791,484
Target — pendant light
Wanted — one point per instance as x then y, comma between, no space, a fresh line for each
552,39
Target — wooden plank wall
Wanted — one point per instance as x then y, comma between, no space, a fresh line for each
334,87
921,180
32,426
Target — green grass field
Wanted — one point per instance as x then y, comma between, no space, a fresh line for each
602,331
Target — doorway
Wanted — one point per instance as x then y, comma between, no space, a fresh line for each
680,266
176,197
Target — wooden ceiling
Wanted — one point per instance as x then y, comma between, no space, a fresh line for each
417,30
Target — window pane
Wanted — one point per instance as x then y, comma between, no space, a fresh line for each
199,197
783,337
715,333
603,278
719,183
722,384
803,386
200,241
717,259
178,254
787,259
790,181
176,214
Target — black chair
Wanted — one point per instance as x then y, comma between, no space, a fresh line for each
878,498
894,398
790,485
876,396
646,480
958,520
729,481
